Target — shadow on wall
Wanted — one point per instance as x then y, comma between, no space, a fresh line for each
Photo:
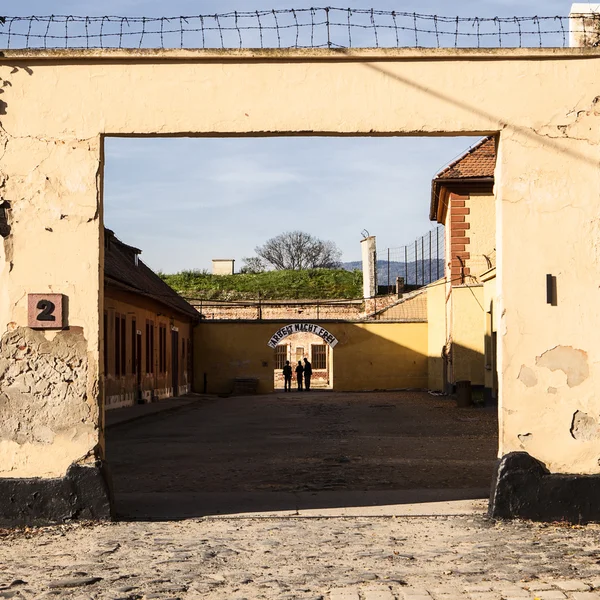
369,355
464,364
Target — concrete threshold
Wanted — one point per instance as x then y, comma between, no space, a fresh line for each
169,506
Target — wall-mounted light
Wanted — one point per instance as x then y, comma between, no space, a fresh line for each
551,291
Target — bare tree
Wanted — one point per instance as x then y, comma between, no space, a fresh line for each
254,264
296,250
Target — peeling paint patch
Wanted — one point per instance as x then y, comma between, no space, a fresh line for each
527,376
552,390
43,385
584,428
571,361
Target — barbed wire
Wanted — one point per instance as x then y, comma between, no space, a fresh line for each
293,28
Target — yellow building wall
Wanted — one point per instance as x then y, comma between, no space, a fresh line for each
120,390
368,356
436,330
59,106
482,234
468,334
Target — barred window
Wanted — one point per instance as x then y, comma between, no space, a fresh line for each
280,356
318,353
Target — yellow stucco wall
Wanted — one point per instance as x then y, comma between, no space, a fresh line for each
368,356
468,334
436,328
482,234
58,105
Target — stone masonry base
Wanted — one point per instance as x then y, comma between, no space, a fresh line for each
83,493
523,488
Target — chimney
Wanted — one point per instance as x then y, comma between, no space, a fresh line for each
222,266
369,266
584,25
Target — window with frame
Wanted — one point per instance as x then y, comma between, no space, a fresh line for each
123,345
318,353
134,356
281,353
149,347
117,341
162,348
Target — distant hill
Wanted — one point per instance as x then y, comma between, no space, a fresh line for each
413,272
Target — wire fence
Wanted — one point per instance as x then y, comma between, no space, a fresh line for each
416,264
294,28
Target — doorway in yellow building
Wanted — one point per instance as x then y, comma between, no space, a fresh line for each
295,349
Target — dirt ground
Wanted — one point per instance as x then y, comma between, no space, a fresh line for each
306,442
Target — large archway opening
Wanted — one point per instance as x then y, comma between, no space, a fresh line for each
374,436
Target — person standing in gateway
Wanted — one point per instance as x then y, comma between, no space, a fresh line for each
299,371
307,374
287,377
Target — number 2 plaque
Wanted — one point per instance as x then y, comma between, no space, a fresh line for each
45,311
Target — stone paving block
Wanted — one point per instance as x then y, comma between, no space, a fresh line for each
585,596
445,593
377,593
415,594
538,586
344,594
549,595
482,587
483,596
572,585
512,592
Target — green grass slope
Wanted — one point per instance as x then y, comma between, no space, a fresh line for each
311,284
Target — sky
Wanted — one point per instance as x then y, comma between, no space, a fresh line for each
184,201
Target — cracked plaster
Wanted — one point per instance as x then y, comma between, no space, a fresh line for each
44,395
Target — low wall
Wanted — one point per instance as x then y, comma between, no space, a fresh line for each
369,355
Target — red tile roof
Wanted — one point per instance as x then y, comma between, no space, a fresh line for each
479,161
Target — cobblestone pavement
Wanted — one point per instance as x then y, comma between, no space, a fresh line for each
439,558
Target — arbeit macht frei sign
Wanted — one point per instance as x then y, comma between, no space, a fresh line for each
287,330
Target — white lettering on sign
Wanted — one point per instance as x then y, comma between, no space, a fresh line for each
287,330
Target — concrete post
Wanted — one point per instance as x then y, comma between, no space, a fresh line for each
584,25
369,266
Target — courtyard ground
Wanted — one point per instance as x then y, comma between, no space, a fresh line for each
365,442
295,451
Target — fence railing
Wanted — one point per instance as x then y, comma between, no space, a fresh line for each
293,28
418,263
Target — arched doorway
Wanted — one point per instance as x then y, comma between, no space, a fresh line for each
298,341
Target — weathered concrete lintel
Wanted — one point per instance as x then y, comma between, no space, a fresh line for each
523,488
83,493
291,54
